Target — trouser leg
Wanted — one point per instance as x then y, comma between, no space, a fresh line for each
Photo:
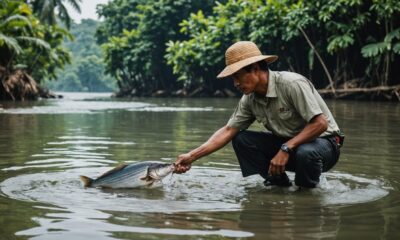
255,150
311,159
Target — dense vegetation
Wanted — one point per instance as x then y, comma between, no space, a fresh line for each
86,73
135,33
177,47
31,45
168,45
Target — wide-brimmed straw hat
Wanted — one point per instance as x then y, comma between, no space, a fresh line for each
242,54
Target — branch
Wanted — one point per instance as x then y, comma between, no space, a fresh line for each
361,90
320,60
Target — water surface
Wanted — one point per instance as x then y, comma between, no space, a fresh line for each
46,145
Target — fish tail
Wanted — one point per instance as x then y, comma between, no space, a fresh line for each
87,182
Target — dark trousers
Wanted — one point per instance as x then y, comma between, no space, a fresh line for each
255,150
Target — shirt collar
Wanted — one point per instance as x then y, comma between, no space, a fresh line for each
271,91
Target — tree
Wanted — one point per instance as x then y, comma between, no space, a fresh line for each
46,10
17,32
29,51
136,47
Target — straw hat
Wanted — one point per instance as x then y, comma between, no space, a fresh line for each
240,55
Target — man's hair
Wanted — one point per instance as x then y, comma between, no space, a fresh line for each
262,64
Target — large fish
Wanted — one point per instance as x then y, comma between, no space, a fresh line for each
131,175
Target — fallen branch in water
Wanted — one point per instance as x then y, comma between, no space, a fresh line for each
387,91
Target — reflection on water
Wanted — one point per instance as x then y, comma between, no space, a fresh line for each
45,146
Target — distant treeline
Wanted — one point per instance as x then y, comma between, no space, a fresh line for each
168,45
86,73
176,47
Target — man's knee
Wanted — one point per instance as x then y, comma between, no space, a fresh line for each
308,166
306,154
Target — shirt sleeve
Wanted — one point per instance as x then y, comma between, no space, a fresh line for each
242,117
303,99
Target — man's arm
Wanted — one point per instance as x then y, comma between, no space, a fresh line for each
219,139
312,130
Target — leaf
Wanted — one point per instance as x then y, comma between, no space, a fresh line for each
36,42
11,43
396,48
373,50
16,20
395,34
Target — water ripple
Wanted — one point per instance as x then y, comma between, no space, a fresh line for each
73,152
204,189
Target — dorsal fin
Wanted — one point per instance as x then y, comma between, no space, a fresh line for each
147,177
116,169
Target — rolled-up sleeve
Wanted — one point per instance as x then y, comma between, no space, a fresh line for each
242,117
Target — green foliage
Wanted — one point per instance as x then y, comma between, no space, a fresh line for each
336,29
28,44
136,33
46,10
167,44
390,43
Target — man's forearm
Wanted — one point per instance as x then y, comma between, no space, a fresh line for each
313,129
218,140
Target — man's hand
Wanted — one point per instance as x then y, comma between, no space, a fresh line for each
183,163
277,164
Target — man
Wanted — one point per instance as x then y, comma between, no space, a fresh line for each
303,136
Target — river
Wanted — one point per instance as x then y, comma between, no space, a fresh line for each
46,145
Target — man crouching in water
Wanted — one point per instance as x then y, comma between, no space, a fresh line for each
303,136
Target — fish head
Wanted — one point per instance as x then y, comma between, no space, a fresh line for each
158,171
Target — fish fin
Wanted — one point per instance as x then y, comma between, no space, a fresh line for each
116,169
147,177
87,182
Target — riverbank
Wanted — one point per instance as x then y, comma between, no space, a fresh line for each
20,86
379,93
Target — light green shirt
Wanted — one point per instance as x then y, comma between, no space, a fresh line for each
290,103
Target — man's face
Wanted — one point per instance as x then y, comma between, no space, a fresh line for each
244,81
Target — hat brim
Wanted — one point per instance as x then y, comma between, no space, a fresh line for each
231,69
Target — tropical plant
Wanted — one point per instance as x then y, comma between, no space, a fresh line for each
27,44
18,32
135,48
46,10
333,42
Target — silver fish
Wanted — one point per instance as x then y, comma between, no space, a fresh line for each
131,175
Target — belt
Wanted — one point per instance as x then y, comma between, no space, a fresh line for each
338,139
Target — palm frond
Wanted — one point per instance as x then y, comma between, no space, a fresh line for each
16,20
11,43
64,16
47,12
75,5
36,42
